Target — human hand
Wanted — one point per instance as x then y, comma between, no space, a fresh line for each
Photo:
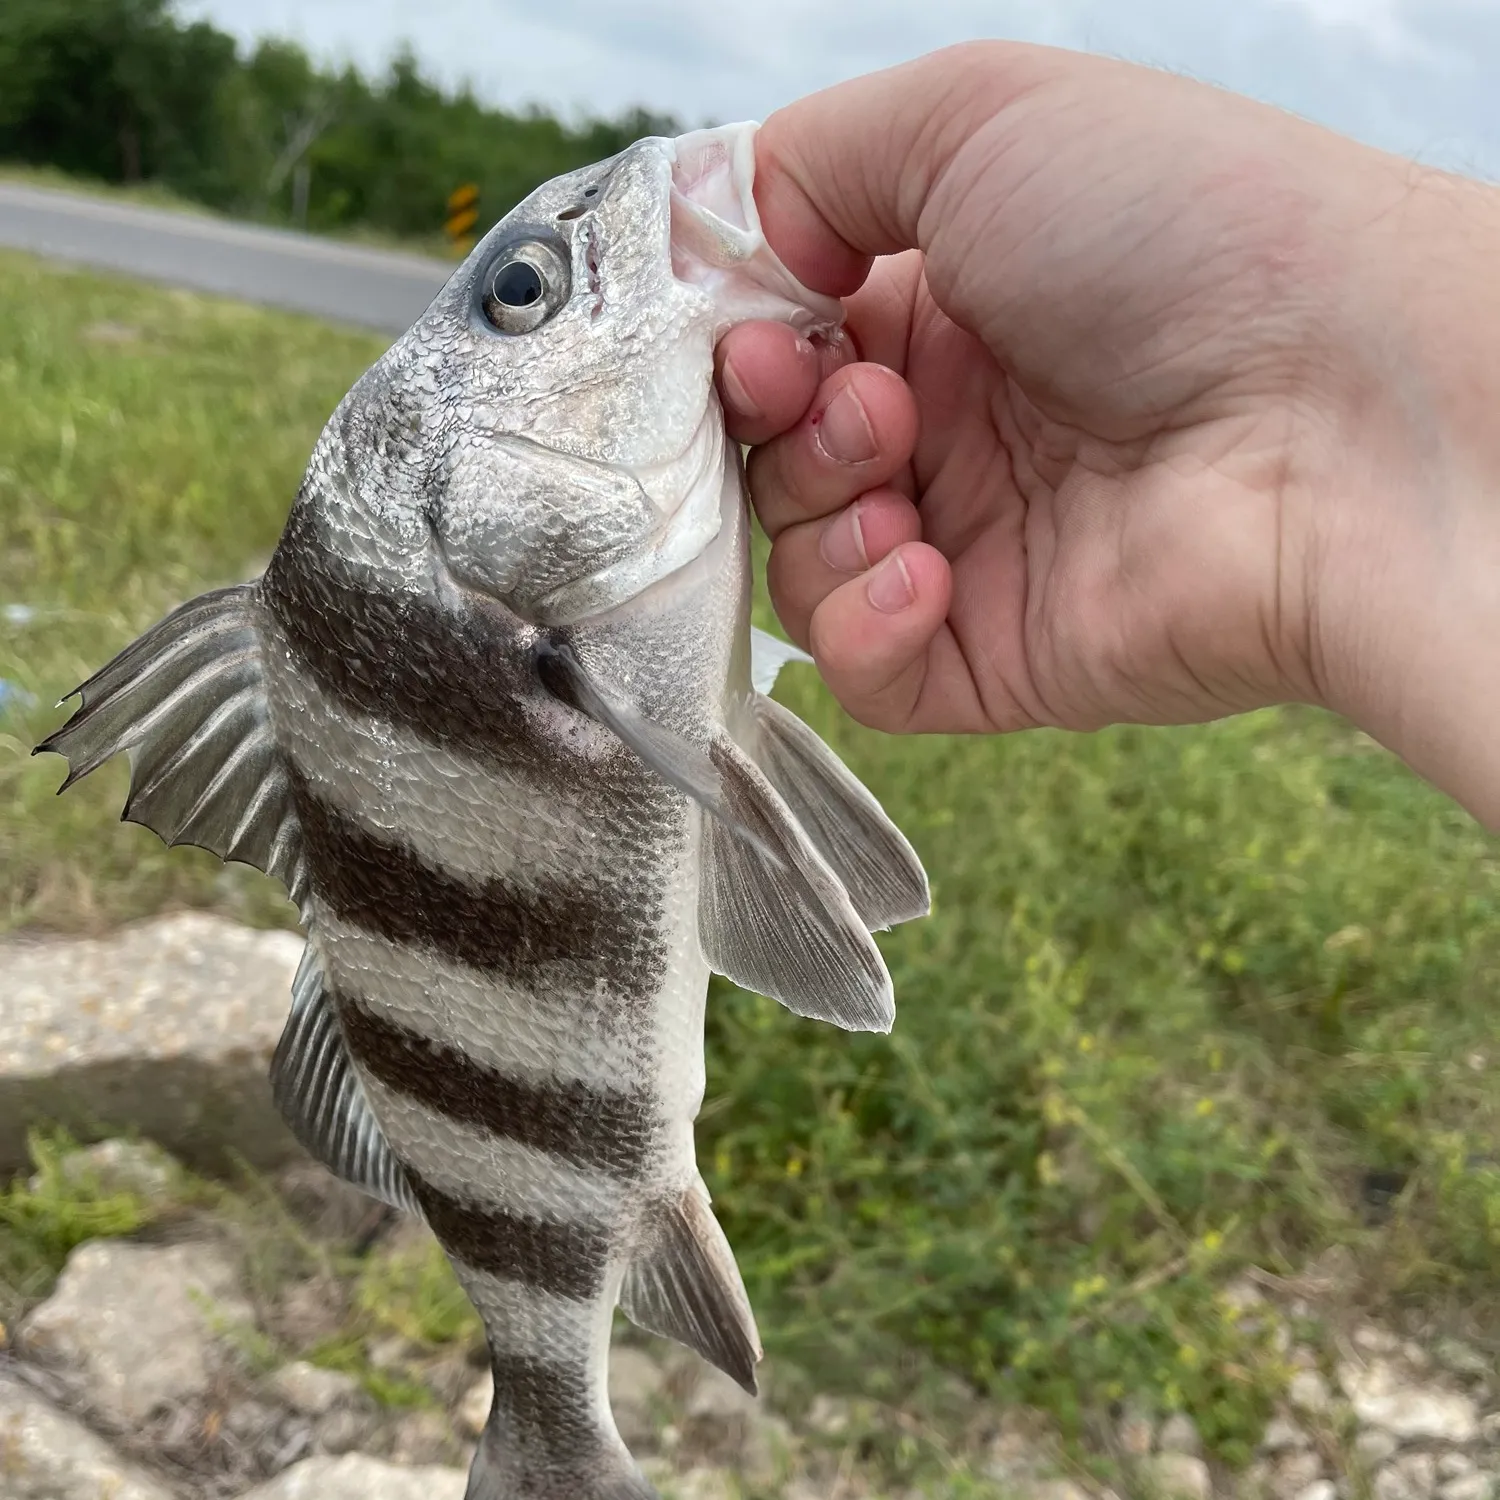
1155,422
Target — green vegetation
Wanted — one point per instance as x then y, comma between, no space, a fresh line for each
122,91
1182,989
49,1212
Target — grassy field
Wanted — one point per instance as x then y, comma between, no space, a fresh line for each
1182,990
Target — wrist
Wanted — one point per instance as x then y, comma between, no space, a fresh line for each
1408,562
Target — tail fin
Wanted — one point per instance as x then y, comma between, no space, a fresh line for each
502,1470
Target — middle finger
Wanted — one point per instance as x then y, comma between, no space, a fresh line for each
858,434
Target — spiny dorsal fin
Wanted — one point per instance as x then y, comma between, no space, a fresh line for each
319,1095
848,827
780,923
187,702
688,1288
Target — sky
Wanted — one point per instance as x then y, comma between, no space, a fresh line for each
1414,76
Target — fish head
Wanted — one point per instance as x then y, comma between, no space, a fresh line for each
548,429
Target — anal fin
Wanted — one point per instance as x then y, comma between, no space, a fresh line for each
320,1096
687,1287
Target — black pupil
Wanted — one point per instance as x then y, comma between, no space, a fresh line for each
517,285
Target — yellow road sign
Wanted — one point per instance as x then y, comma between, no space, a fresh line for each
463,215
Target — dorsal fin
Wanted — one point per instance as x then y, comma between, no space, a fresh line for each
319,1095
779,922
187,702
687,1287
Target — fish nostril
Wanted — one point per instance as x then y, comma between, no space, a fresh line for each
592,191
576,212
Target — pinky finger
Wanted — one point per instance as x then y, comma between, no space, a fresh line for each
878,638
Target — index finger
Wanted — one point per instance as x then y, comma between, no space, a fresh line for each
844,174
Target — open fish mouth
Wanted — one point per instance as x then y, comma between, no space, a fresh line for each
717,241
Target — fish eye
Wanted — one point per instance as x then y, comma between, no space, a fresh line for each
524,286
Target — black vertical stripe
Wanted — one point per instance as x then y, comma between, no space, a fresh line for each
581,932
588,1125
566,1260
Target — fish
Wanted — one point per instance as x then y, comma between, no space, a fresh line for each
496,717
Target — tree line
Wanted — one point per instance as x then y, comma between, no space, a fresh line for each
125,91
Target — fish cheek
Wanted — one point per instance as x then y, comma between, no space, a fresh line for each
516,522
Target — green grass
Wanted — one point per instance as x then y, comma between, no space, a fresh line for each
1181,988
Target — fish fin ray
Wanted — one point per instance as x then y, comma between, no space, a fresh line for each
847,826
768,655
186,701
781,924
320,1096
688,1288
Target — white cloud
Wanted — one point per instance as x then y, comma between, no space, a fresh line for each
1414,76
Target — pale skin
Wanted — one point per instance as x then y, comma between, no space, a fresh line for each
1159,405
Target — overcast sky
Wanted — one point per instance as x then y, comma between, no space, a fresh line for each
1417,76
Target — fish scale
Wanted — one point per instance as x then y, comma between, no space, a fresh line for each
496,718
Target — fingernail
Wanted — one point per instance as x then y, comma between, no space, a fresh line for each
889,588
842,543
739,397
845,434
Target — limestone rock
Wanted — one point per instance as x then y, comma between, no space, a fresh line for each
166,1028
345,1430
474,1410
1282,1435
121,1166
1179,1434
137,1322
313,1392
423,1437
1383,1397
1411,1476
1470,1487
45,1455
1292,1473
1373,1446
355,1477
1320,1489
1309,1392
1177,1476
1463,1359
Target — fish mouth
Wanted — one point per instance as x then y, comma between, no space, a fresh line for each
717,243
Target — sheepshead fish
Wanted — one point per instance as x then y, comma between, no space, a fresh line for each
495,716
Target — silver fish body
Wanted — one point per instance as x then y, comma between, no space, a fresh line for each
490,716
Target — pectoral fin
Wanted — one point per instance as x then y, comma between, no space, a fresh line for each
768,655
687,1287
319,1095
677,760
187,702
780,923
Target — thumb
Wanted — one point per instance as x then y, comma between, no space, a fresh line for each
845,174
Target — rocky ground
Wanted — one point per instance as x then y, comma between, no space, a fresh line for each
157,1367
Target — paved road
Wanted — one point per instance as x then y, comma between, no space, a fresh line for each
378,289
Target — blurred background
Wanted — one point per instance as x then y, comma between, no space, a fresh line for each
1190,1116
